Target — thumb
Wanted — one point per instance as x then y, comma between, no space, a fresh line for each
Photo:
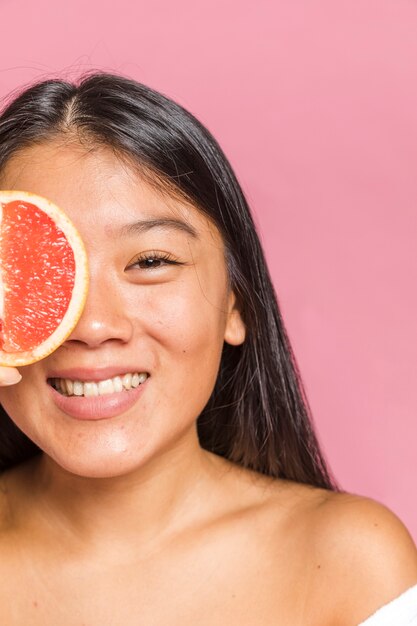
9,376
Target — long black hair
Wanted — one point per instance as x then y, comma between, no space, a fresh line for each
258,414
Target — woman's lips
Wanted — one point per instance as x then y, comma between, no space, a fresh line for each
97,407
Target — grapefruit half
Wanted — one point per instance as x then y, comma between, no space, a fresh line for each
43,277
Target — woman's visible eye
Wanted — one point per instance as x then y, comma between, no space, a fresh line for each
153,260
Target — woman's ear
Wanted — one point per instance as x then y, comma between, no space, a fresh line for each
235,331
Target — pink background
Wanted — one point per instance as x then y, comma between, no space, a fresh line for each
315,103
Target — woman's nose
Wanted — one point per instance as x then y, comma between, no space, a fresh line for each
105,316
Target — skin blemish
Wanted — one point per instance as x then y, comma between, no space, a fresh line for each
109,230
34,603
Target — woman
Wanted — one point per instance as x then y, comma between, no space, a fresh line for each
200,496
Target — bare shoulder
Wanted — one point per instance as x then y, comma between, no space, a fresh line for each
352,554
369,555
356,527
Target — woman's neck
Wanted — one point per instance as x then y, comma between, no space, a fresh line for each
169,493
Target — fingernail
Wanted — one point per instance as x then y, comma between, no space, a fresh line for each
10,377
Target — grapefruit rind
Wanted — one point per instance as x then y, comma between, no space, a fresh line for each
80,289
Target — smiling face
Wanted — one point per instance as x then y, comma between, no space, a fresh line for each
167,318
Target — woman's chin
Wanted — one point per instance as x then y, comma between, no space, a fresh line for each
102,463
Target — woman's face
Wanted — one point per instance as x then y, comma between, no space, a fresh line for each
166,320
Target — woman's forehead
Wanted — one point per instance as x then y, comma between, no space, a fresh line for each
70,173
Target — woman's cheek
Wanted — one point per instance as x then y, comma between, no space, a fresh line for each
176,314
185,323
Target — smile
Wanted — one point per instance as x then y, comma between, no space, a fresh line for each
67,387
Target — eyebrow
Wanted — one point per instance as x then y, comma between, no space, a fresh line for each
142,226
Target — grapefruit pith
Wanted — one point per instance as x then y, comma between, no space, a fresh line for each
43,277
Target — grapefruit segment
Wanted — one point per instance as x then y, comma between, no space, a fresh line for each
43,277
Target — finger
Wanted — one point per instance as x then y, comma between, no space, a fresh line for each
9,376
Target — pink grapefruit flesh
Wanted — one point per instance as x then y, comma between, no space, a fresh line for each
43,277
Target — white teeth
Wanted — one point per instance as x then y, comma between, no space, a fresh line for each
105,386
69,385
138,379
90,389
78,388
117,384
111,385
127,381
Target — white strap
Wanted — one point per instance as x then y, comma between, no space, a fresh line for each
402,611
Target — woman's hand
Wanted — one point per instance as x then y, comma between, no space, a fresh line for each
9,376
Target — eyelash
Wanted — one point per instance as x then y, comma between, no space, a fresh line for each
154,256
